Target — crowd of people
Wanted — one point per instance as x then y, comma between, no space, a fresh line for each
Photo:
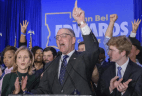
75,72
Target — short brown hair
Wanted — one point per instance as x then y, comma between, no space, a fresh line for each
15,67
122,43
80,43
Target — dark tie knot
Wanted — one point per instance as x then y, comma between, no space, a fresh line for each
65,57
119,68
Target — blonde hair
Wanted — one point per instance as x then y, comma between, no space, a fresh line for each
122,43
15,67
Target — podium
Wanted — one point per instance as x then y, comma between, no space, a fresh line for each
45,95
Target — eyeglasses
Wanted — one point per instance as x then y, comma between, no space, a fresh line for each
64,35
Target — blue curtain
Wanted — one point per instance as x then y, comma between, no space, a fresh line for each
138,14
12,13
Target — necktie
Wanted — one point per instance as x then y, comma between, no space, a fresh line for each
119,72
63,69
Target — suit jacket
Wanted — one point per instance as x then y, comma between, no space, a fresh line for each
133,71
9,80
78,74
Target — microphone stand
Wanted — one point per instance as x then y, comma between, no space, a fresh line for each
50,63
75,92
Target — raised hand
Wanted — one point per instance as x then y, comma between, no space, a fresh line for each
24,83
24,26
135,25
123,87
17,86
109,31
78,14
113,17
114,83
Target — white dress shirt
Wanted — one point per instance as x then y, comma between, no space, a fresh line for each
123,68
61,60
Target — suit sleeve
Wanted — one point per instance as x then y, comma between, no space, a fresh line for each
91,43
135,87
91,53
5,85
43,87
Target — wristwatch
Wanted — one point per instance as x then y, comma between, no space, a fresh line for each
82,22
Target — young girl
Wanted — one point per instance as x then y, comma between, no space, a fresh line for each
21,76
8,55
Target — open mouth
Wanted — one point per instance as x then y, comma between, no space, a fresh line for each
22,64
39,57
62,44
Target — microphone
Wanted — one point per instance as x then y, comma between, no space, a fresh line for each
50,63
59,54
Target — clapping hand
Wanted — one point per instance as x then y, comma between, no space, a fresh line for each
17,86
24,83
122,87
114,83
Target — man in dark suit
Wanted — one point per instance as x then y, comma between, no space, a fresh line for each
122,77
130,83
76,77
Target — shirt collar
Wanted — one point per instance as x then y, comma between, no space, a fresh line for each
69,54
123,66
138,63
9,69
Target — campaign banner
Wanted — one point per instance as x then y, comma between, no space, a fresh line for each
57,14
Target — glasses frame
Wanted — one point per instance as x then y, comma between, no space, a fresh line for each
64,35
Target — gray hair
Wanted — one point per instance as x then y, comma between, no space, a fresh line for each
71,31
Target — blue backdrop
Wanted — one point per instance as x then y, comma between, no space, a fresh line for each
57,14
46,17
